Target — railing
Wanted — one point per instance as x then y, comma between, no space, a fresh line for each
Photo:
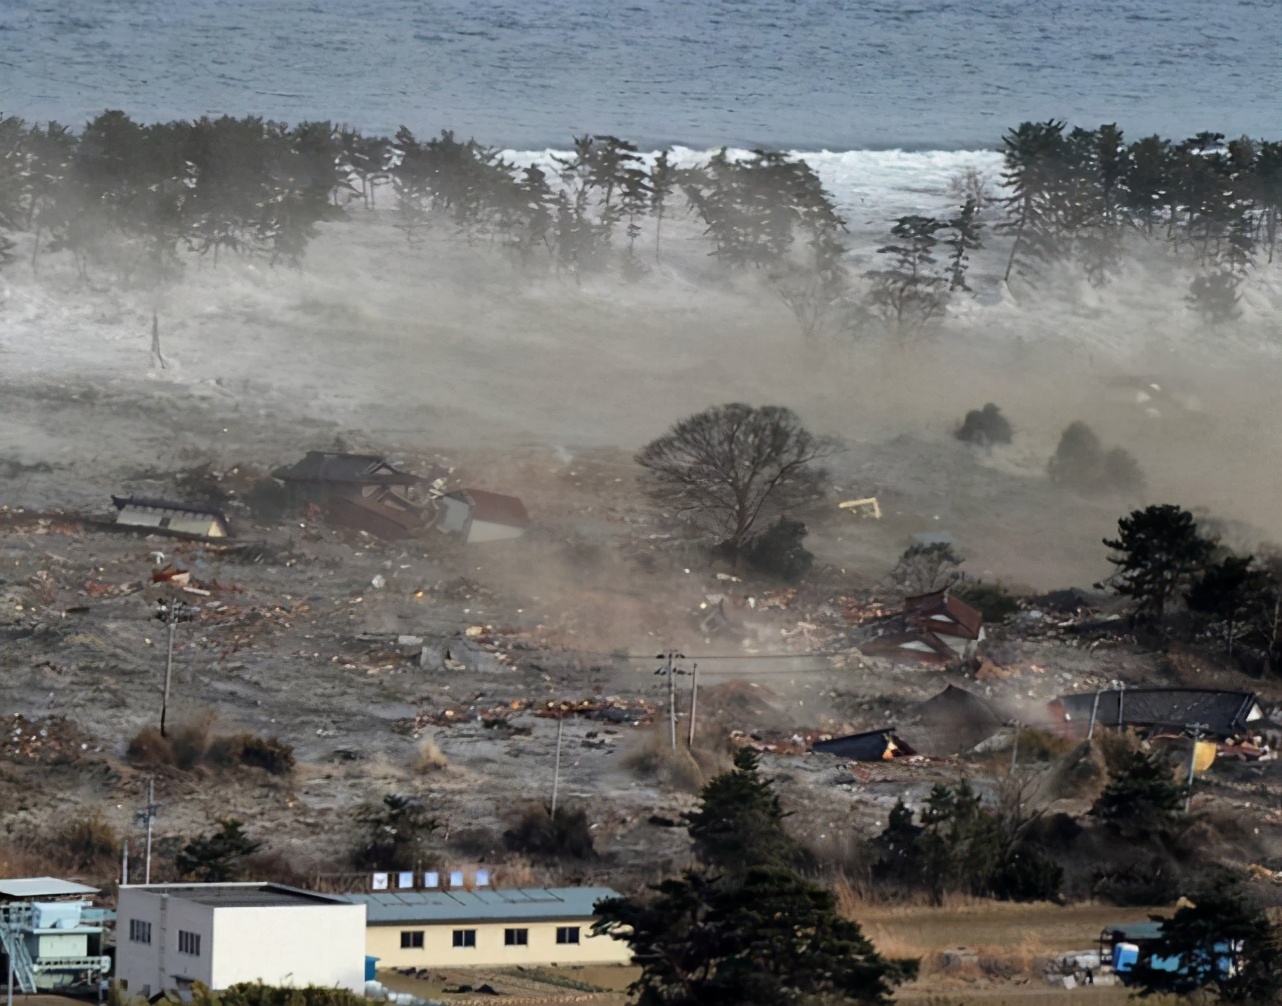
15,947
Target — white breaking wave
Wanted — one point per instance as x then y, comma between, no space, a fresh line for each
870,187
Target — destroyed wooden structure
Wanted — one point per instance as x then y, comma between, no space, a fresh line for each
363,492
482,516
937,629
1223,715
191,520
951,722
872,745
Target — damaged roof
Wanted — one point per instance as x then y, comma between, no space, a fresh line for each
872,745
154,504
358,469
950,722
386,515
1223,713
913,644
942,611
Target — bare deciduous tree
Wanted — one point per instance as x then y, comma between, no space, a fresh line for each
733,466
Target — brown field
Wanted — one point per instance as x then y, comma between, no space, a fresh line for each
1038,929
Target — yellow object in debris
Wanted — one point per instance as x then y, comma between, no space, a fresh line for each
869,506
1204,756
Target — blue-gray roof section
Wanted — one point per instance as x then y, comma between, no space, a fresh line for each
517,904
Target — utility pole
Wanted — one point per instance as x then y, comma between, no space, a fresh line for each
1197,729
171,612
669,668
145,817
694,701
1094,715
556,771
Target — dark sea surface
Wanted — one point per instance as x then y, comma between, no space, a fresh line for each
798,74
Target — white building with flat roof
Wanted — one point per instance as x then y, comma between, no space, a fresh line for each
171,935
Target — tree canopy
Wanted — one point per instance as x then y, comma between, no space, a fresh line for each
732,467
746,929
1159,550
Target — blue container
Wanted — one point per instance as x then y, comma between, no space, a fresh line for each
371,968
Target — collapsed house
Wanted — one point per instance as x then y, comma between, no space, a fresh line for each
188,519
937,629
1218,714
482,516
951,722
364,492
872,745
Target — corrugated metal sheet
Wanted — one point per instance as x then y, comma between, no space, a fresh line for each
526,904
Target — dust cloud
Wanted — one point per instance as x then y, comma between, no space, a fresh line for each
447,348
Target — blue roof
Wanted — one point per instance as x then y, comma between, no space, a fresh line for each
517,904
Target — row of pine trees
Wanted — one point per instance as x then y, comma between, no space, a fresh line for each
138,199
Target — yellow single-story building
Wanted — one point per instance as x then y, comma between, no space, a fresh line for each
487,927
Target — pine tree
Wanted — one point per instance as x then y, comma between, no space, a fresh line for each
217,858
1225,942
910,293
1034,155
1160,550
663,180
1227,592
739,822
1141,794
964,238
412,183
749,929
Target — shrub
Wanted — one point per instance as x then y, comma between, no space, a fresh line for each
397,830
992,600
271,754
149,748
1081,463
269,500
778,550
190,740
191,745
566,834
88,843
1137,885
985,427
1035,744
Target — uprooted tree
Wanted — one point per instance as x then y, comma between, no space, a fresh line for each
731,468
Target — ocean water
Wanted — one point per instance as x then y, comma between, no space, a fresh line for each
798,74
886,98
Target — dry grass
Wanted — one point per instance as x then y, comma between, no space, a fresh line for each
683,768
88,844
1004,934
193,743
429,757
